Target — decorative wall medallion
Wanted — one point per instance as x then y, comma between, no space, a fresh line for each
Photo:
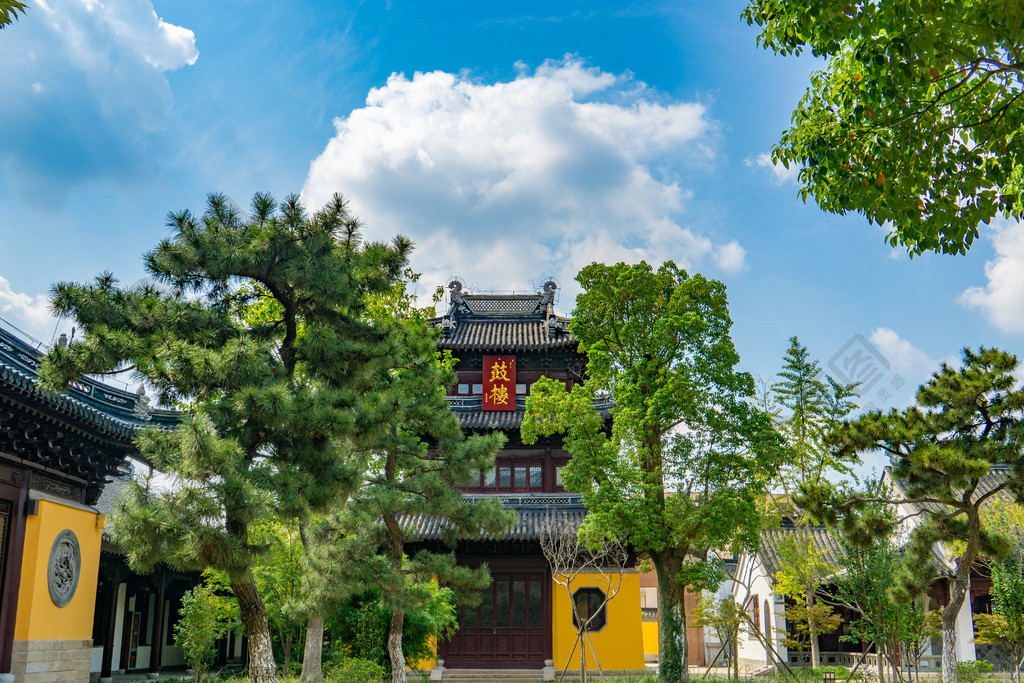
65,566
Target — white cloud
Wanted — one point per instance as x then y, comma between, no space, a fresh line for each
905,358
507,182
1002,299
780,174
97,68
30,313
730,257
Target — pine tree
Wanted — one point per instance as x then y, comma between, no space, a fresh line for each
966,421
418,455
267,403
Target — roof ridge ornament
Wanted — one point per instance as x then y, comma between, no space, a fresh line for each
456,295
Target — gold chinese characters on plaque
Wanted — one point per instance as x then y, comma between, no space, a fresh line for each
499,382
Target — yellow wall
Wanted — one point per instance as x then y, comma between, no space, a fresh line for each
651,642
38,618
427,663
619,645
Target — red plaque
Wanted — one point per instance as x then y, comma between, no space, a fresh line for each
499,382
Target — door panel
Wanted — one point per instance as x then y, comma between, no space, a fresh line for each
510,628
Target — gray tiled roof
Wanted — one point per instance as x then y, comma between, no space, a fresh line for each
822,540
479,419
531,520
506,335
472,416
107,501
996,476
109,410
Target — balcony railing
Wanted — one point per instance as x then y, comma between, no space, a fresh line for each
477,403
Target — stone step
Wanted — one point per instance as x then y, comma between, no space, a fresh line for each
493,675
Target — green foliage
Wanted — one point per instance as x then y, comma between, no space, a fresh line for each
915,122
657,343
354,669
802,572
359,627
9,11
1005,626
725,618
808,409
205,616
974,671
371,632
271,404
886,614
417,457
967,420
280,574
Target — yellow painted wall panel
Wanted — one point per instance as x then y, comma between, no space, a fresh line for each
619,645
651,642
38,618
427,663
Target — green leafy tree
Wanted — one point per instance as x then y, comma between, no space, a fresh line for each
417,457
9,11
359,626
967,420
267,407
915,122
807,409
1005,626
802,571
280,576
686,459
725,618
886,614
205,616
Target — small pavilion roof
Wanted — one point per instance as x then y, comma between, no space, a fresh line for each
503,322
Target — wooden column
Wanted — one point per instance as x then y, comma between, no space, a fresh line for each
12,573
126,632
157,651
114,575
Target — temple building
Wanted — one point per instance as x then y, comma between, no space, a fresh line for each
503,343
56,455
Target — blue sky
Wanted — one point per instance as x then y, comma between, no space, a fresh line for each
512,143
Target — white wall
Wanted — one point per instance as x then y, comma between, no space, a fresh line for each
96,660
752,652
172,654
965,651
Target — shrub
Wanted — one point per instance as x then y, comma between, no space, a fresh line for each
354,669
205,617
972,672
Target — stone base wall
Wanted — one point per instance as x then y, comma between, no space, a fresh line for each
51,661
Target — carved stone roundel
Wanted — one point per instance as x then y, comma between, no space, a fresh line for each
65,566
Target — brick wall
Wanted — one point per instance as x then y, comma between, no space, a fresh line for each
51,661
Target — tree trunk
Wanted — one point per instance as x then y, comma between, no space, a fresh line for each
254,617
288,640
736,655
312,655
672,666
395,652
958,592
812,630
583,652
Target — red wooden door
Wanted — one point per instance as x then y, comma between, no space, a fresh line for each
511,628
